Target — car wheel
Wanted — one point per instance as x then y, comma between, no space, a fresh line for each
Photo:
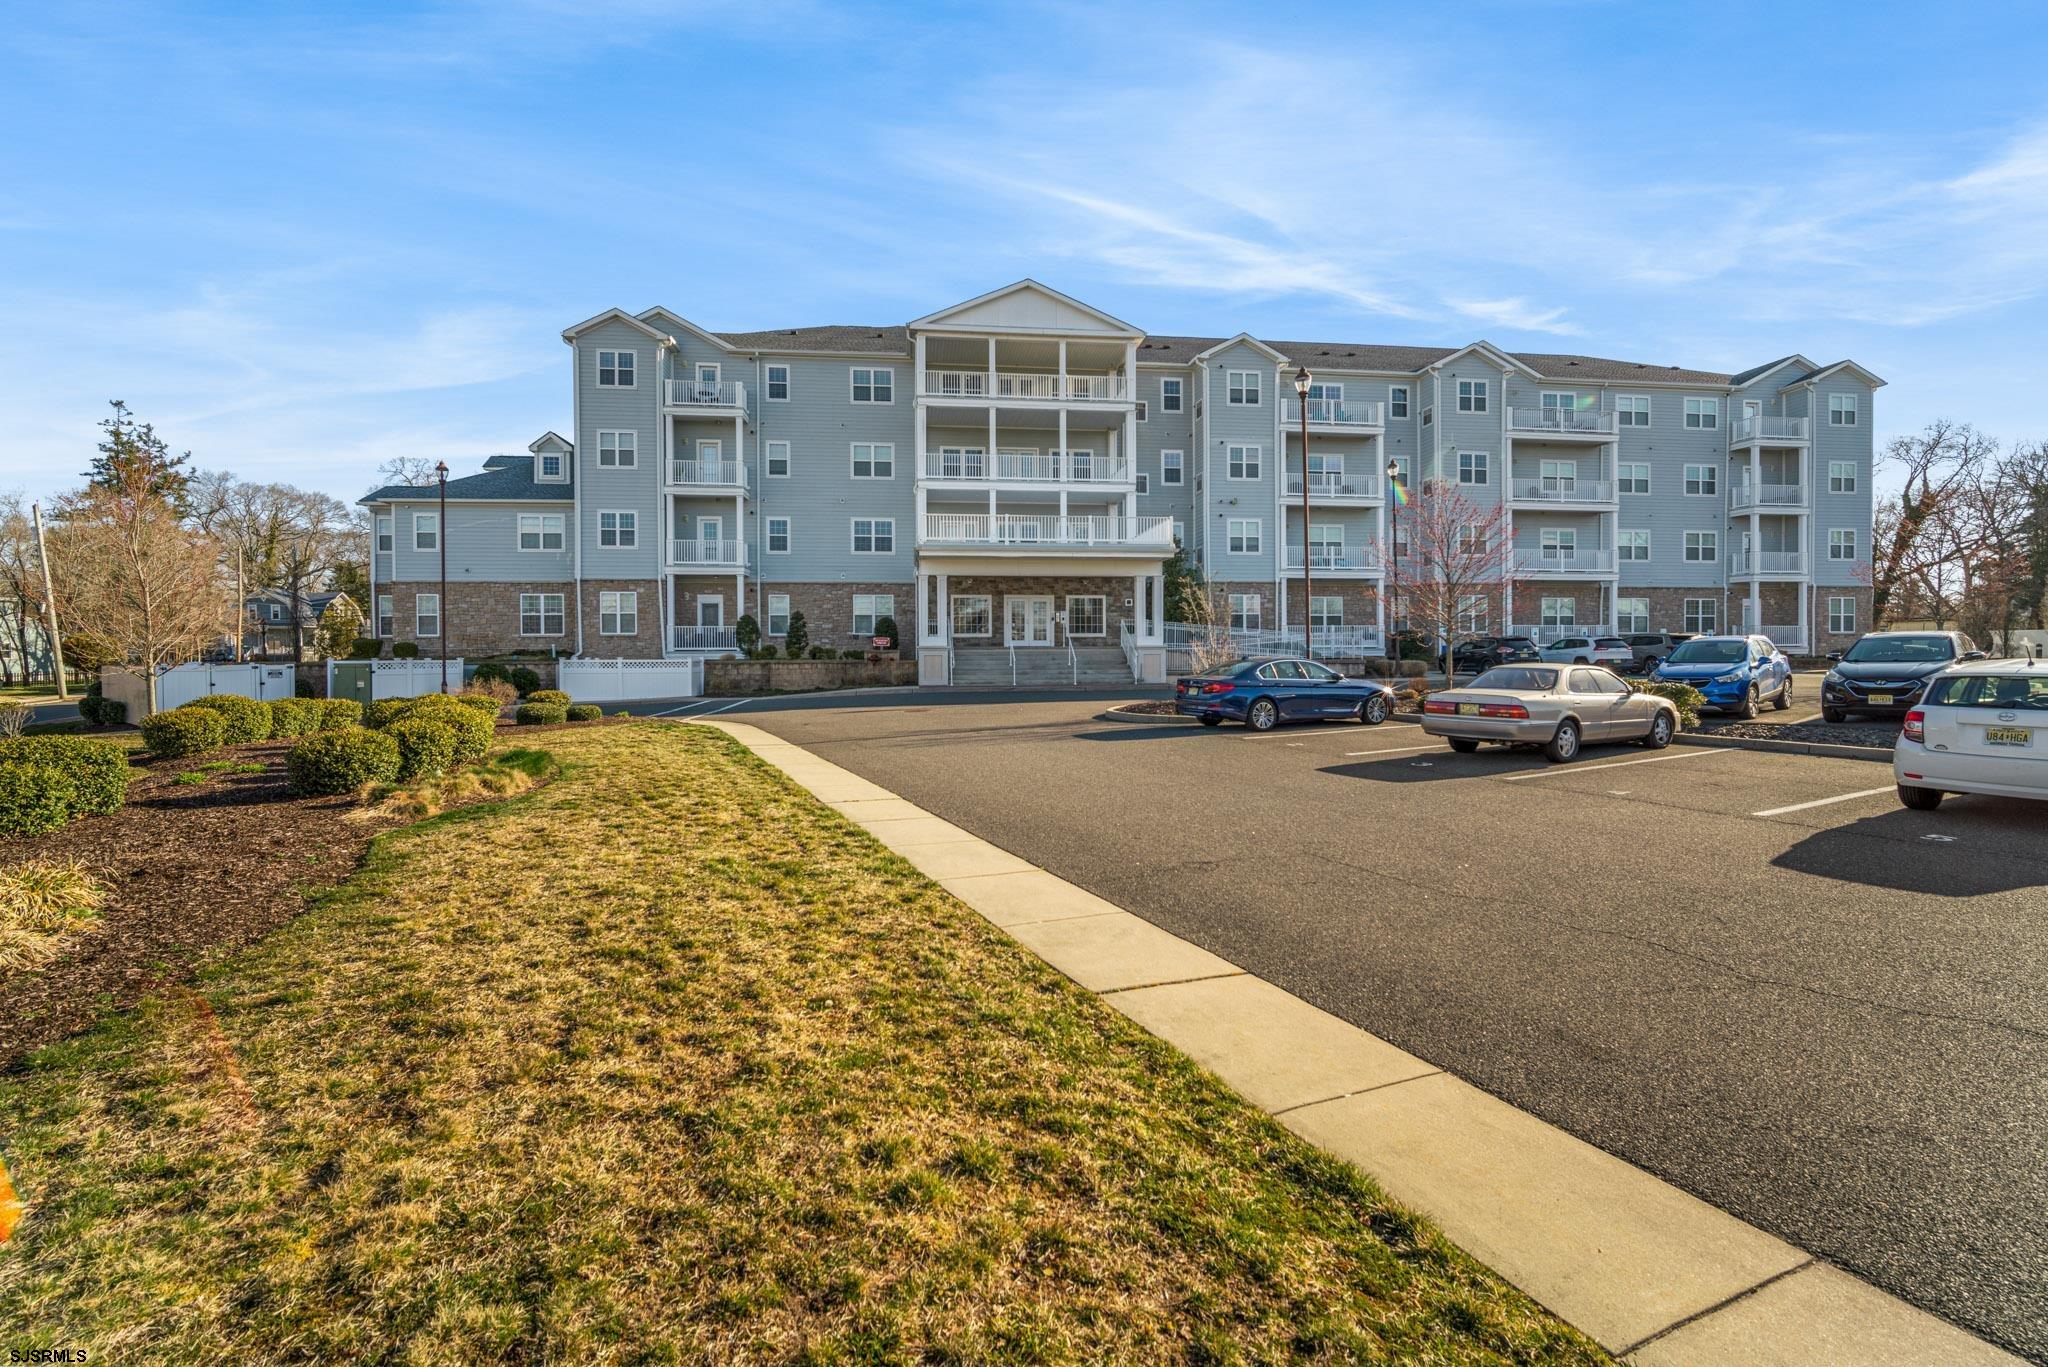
1920,799
1650,665
1263,716
1375,709
1660,731
1834,716
1582,660
1463,745
1784,698
1212,721
1565,744
1751,705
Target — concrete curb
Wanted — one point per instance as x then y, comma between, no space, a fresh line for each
1157,719
1652,1273
1784,747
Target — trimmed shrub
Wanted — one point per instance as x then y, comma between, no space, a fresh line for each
482,702
885,627
381,712
341,761
405,650
294,717
522,678
365,648
540,713
823,653
853,654
766,652
184,731
338,714
584,711
797,639
746,634
545,695
426,747
242,720
98,769
34,798
1685,697
490,671
474,731
96,709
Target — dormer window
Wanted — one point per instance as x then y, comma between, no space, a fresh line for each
551,465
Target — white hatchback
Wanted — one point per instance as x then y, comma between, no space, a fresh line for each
1981,727
1611,651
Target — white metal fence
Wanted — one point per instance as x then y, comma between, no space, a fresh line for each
631,680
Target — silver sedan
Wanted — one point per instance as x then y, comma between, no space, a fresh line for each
1558,707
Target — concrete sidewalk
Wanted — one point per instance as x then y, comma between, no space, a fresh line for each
1653,1274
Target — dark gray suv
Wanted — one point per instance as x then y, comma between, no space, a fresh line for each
1650,648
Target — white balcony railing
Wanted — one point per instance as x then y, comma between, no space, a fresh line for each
1572,422
1562,491
1338,641
1791,638
1753,427
1535,564
706,394
725,474
703,638
1334,413
1326,558
1011,384
1766,562
1743,494
1026,467
1048,530
726,551
1331,484
1544,635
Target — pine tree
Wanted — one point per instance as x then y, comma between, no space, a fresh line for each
133,457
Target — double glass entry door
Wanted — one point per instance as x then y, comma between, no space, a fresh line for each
1029,619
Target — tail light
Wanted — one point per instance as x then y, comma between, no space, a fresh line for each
1512,711
1915,728
1439,708
1213,688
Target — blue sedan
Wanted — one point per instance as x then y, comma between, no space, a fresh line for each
1266,691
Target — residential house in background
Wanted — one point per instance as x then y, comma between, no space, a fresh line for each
275,620
1012,473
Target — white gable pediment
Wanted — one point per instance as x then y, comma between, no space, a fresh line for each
1029,308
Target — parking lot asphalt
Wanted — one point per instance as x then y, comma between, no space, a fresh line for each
1828,1019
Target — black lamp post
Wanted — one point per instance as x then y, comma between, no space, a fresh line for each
1393,541
441,538
1302,380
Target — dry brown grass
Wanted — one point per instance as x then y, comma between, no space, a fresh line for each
41,902
664,1061
503,775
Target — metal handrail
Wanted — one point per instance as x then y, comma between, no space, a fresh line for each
1073,661
1013,666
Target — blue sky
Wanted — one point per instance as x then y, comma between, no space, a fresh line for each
301,239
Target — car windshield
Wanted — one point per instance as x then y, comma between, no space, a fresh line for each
1896,650
1991,690
1709,653
1518,679
1518,642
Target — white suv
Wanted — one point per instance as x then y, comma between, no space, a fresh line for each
1611,651
1981,727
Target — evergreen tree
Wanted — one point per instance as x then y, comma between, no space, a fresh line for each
134,458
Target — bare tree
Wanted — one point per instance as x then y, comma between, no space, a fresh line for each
414,470
1935,468
21,588
287,538
1452,563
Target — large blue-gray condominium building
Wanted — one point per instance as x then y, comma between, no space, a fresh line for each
1015,470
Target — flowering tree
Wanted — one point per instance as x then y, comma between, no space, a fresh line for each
1453,554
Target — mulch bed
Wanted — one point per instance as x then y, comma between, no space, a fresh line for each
1878,735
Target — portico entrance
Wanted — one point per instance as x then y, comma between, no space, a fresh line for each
1029,618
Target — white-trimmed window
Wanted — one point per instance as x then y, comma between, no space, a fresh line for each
1635,477
619,530
384,615
1560,612
1243,462
1245,612
619,450
1243,387
778,614
967,462
1558,476
1631,614
1841,616
1172,467
1470,539
1702,616
1428,414
777,459
1087,614
426,531
707,380
1144,411
618,612
1632,410
550,467
1703,480
1144,482
1841,410
1841,476
1472,614
1702,547
1559,543
615,369
384,537
1397,401
973,614
873,384
540,531
1842,543
778,536
1325,611
1564,400
874,460
778,383
1702,413
1633,546
1170,395
1474,467
1471,396
1246,535
869,609
426,615
541,614
874,536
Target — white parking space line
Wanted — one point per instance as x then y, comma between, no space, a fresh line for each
1391,750
1596,768
1825,801
739,702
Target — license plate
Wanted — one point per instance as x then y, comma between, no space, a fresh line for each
1468,709
2008,735
1881,699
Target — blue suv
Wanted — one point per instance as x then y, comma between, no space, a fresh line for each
1737,673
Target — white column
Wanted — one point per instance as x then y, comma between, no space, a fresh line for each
1063,467
1756,551
1158,608
1139,612
924,634
922,438
917,381
991,377
945,610
1063,370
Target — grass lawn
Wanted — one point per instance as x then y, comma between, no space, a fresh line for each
665,1062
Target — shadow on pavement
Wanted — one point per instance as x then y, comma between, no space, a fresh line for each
1439,765
1997,845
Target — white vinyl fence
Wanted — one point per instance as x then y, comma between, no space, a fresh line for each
180,684
630,680
390,678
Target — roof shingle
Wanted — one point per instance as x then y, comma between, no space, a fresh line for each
503,477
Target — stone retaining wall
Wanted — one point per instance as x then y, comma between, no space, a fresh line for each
743,677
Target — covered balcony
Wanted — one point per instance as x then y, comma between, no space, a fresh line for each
693,472
1754,564
709,554
1337,483
1334,559
1562,491
1047,532
1023,373
973,465
1335,414
1757,429
1561,424
703,638
1553,562
1024,384
1766,496
720,397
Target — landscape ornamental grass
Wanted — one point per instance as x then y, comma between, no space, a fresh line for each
41,901
184,731
543,1081
540,713
294,717
244,721
426,747
334,762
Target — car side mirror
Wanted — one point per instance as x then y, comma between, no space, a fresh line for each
1835,655
1975,655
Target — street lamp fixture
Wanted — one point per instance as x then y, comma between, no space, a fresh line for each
1302,381
441,541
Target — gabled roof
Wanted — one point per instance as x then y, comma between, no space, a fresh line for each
615,316
1242,338
1874,381
503,478
1759,371
553,441
1494,354
951,317
686,325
